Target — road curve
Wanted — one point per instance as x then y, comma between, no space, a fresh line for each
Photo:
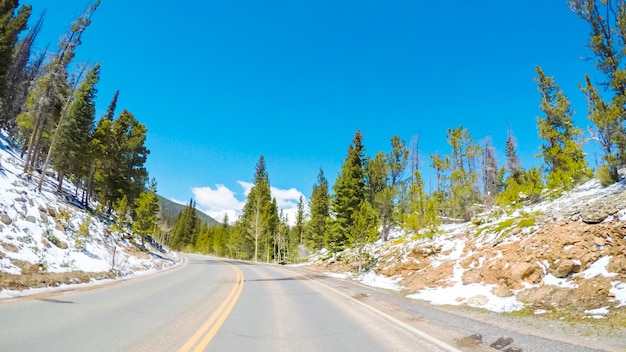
206,305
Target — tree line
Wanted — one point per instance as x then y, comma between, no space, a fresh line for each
374,194
49,110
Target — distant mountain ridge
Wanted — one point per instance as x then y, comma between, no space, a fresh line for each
170,211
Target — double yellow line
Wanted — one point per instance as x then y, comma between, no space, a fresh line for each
207,331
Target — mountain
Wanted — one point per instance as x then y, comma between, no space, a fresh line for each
170,211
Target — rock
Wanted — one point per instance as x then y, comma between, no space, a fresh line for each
471,276
60,227
515,231
476,337
598,211
617,264
44,217
502,343
57,242
45,242
5,219
478,300
500,291
522,271
564,268
30,218
514,349
41,208
52,211
20,199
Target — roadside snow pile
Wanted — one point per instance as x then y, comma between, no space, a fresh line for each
54,232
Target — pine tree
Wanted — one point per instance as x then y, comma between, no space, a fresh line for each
121,212
462,172
186,228
349,193
319,205
422,212
513,163
119,155
71,151
492,176
384,184
19,77
563,157
46,103
364,230
147,209
11,25
607,20
255,220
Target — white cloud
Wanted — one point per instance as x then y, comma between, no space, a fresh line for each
221,200
218,202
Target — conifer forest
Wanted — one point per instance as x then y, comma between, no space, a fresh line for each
48,111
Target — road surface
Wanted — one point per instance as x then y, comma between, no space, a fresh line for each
209,305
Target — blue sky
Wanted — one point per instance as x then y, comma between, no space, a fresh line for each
219,83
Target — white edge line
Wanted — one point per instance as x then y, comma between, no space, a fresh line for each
401,324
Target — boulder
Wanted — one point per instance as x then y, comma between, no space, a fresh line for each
471,276
51,211
501,343
30,218
5,219
564,268
598,211
522,271
478,300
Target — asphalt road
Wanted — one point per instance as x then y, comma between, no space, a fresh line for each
211,305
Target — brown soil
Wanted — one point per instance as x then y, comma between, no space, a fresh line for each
33,277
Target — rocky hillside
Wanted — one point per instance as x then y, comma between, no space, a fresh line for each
562,256
47,239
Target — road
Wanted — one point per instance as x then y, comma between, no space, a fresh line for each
215,305
209,305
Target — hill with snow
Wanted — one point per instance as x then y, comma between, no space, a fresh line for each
565,256
47,239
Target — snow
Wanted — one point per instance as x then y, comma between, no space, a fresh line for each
372,279
467,294
598,268
451,247
32,231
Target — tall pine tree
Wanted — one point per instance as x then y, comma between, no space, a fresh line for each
349,193
563,157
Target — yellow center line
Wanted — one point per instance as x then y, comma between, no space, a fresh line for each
216,320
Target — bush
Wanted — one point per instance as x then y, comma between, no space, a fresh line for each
604,176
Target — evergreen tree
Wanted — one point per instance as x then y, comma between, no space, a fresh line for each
513,163
492,176
364,230
462,172
255,220
71,151
121,212
607,20
563,156
19,77
185,229
422,213
11,25
349,193
50,97
300,221
319,205
147,208
120,154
